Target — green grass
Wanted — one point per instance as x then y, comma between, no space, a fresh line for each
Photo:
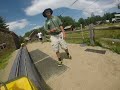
76,37
115,47
78,34
4,57
108,24
78,41
114,34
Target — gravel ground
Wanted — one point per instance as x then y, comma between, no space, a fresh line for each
86,70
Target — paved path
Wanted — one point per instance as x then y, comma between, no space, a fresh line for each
86,70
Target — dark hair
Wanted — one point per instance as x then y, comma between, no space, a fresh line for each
48,9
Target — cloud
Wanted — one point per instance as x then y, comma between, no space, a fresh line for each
19,24
32,24
87,6
36,27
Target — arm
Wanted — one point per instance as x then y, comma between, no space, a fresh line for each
48,30
61,27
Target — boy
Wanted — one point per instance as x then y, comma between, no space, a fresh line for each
53,26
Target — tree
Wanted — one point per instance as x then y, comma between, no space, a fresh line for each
3,24
81,21
28,33
108,16
67,21
21,39
35,31
77,24
98,18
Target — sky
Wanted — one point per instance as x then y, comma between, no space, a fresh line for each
25,15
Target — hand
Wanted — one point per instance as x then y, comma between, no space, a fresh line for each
64,35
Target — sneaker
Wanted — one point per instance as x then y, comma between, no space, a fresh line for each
59,63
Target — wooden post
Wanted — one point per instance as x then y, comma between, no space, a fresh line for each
92,34
82,31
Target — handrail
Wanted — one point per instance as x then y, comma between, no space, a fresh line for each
23,66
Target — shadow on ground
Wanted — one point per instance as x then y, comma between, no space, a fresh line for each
64,55
46,66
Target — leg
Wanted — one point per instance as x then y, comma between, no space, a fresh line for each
56,49
41,40
58,54
55,46
59,59
67,52
64,46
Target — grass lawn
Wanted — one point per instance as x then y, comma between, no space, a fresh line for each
114,34
115,47
4,57
78,34
76,37
107,25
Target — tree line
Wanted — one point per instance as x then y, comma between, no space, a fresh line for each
93,19
67,20
3,24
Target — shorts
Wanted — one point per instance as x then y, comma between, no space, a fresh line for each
41,39
57,41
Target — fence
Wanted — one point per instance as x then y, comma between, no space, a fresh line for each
96,36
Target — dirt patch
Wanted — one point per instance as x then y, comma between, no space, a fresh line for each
86,70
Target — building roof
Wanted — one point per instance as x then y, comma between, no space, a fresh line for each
7,31
68,27
27,38
117,14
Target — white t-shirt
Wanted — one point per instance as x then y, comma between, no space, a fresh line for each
39,35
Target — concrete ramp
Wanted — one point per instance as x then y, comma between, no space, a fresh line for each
24,66
46,65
